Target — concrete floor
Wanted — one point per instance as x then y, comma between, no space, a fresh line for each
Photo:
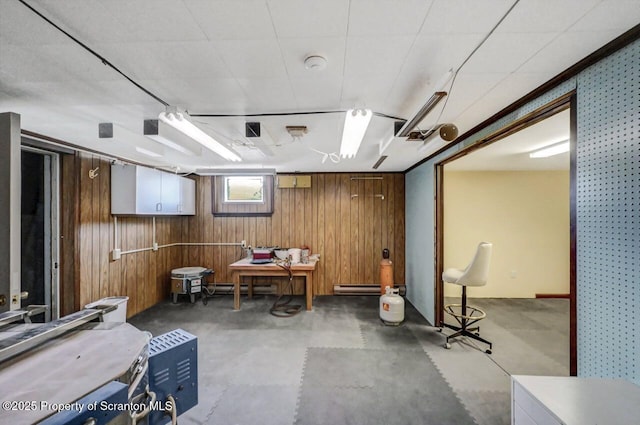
339,365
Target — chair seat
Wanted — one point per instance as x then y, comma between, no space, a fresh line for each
452,275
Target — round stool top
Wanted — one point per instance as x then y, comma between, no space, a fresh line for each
188,271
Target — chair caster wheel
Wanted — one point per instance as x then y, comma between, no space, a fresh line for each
447,345
487,351
439,329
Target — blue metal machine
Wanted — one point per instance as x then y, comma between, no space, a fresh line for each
173,372
107,372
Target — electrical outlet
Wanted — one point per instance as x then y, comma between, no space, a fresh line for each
155,246
243,244
115,254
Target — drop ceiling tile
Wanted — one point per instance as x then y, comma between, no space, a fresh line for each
202,96
387,17
545,16
619,15
88,20
317,93
432,55
510,89
62,62
252,58
507,52
295,50
566,50
464,16
232,19
467,89
266,95
294,18
185,59
21,26
376,55
366,91
155,20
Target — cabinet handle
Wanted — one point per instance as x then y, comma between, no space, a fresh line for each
159,206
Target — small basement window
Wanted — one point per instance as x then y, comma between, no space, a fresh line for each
244,189
238,195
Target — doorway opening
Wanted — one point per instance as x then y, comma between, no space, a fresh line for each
39,231
484,198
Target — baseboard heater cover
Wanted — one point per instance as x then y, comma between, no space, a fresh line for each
362,289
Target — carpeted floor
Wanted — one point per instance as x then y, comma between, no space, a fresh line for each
339,365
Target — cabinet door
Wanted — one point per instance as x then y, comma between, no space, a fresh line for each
123,189
148,191
187,196
170,194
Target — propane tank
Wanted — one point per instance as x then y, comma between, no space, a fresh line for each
392,307
386,271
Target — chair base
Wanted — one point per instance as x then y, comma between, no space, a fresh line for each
468,316
470,332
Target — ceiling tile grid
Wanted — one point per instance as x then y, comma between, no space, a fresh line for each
239,57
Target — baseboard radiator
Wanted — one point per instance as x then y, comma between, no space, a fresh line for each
362,289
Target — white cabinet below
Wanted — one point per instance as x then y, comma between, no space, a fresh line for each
137,190
550,400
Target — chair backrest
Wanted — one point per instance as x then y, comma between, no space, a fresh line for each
477,271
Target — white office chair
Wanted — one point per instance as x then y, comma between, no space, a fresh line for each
474,275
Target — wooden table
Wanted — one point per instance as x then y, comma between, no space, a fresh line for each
245,268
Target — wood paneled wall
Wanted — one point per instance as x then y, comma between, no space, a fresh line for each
348,232
88,239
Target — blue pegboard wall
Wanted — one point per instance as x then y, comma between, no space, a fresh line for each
608,213
608,217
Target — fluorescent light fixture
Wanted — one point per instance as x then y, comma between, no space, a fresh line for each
148,152
178,121
551,150
356,122
170,137
428,106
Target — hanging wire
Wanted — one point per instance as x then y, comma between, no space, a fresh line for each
282,307
455,73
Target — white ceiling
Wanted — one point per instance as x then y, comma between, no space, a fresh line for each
512,152
246,57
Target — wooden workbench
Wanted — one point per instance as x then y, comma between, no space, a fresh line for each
245,268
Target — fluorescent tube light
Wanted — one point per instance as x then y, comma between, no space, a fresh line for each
168,136
148,152
431,103
551,150
178,121
356,122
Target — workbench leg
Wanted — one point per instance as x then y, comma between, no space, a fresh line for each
309,290
236,291
250,288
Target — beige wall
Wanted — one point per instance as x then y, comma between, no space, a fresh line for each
525,214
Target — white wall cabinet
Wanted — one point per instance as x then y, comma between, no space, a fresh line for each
137,190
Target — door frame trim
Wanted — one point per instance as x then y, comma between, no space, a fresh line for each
54,227
566,101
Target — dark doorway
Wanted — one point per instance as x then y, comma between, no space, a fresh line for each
37,282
